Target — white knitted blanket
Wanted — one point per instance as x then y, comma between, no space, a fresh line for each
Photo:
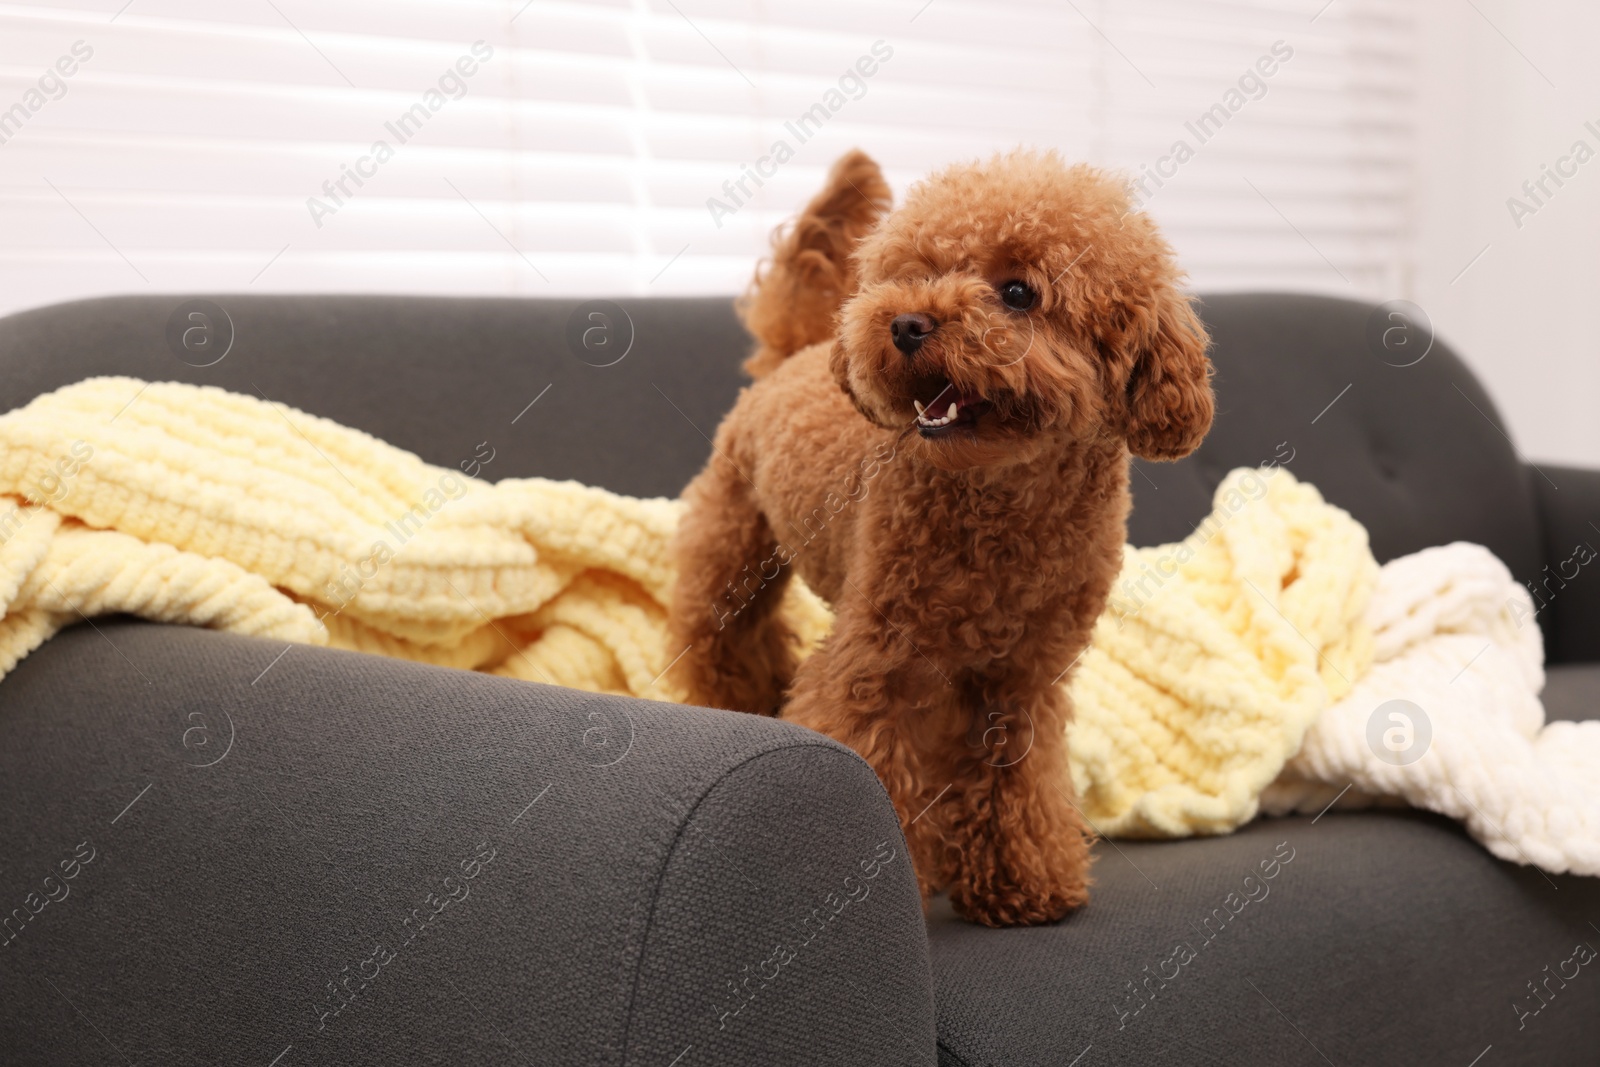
1449,719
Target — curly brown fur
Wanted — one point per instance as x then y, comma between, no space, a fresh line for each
792,303
967,563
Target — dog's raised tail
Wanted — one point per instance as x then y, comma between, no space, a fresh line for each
792,301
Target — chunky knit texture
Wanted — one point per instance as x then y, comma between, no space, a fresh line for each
1457,639
1218,659
1215,655
190,504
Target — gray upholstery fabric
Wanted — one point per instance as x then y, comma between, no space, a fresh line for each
747,885
663,857
1387,939
1572,692
431,374
1568,585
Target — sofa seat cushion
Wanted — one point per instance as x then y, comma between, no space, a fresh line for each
1371,937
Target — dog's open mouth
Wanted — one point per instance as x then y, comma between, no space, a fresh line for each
948,409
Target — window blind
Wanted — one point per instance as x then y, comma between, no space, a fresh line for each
629,147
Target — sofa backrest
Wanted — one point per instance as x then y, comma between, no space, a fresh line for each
434,375
627,397
1416,452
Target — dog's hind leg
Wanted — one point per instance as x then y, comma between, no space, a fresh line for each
738,653
868,687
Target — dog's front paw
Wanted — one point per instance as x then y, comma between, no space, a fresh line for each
1022,882
1014,905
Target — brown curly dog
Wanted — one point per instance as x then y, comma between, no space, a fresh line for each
938,443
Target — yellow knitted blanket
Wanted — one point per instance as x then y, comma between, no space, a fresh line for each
193,505
1215,655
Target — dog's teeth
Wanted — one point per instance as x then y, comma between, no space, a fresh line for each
926,420
918,405
951,414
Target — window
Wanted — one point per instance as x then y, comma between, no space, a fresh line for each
545,148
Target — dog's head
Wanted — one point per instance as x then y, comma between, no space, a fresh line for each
1012,302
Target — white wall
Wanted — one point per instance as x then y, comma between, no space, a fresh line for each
1525,314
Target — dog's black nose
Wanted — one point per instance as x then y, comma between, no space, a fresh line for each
909,331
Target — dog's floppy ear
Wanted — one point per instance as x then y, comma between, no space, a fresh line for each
1168,397
839,364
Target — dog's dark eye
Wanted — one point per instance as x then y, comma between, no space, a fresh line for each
1017,295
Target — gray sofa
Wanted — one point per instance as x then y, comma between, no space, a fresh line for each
299,856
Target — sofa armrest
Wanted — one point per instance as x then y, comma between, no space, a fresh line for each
1567,590
221,849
